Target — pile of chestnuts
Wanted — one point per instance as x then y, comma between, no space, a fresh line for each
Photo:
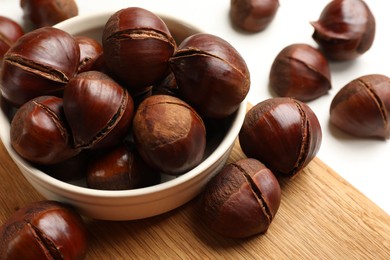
83,102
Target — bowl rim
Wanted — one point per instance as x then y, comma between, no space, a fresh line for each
225,144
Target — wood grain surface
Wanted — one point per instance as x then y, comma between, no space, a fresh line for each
321,217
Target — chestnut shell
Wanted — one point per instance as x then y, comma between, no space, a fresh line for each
362,107
39,132
98,109
10,32
47,13
211,75
300,71
39,63
43,230
241,200
345,29
283,133
137,45
169,135
253,15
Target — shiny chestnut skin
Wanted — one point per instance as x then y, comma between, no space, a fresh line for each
43,230
120,168
90,52
10,31
362,107
211,75
345,29
253,15
283,133
169,135
39,63
48,12
137,45
39,132
300,71
241,200
98,109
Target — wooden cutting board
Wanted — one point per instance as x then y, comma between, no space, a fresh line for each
321,216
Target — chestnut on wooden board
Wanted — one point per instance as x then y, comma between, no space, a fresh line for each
211,75
48,12
300,71
241,200
10,31
39,63
345,29
253,15
169,135
283,133
137,45
43,230
362,107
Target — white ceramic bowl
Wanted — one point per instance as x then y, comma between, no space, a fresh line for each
127,204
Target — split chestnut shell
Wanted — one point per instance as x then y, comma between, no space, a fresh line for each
241,200
211,75
362,107
98,109
137,45
345,29
283,133
300,71
40,63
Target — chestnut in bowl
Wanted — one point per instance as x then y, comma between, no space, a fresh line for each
171,193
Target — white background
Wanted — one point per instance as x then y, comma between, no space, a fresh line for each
362,162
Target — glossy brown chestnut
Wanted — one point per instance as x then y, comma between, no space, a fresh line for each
137,45
98,109
241,200
10,31
169,135
300,71
283,133
90,51
120,168
362,107
345,29
39,132
43,230
253,15
40,63
211,75
48,12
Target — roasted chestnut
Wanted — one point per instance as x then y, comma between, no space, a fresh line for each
39,131
98,109
39,63
137,45
10,31
362,107
43,230
169,134
253,15
283,133
48,12
300,71
90,52
120,168
211,75
345,29
241,200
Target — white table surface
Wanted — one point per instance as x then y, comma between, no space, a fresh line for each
365,163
